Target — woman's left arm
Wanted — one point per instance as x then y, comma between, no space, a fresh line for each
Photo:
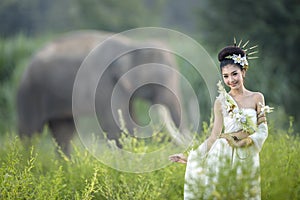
258,137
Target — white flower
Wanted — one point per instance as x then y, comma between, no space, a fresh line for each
239,59
243,119
236,58
238,116
244,61
235,110
268,109
265,109
220,87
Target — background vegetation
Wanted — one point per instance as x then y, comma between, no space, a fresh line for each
271,25
33,173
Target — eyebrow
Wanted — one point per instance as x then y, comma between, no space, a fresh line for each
231,72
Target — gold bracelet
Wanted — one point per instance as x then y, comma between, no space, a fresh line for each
261,120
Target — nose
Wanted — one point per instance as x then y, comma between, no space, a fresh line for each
231,79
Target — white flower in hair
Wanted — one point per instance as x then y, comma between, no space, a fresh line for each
244,61
239,59
248,55
236,58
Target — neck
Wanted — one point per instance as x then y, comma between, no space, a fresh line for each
238,91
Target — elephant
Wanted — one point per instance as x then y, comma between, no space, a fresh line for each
44,95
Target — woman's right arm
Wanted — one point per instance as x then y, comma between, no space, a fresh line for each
217,126
216,131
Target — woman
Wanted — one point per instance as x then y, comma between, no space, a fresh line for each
233,154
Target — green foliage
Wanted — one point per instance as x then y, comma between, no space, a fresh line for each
14,51
40,16
280,165
114,15
34,171
38,173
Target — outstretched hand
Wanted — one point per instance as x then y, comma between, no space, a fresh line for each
180,158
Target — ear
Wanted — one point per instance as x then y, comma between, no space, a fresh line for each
244,73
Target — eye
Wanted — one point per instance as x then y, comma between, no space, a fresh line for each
225,76
234,73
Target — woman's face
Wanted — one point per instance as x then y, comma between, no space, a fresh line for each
233,76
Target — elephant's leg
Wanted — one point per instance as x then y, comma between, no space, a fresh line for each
63,131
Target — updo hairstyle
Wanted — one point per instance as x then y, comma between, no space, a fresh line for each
229,51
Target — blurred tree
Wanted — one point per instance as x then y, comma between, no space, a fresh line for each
40,16
274,25
115,15
16,16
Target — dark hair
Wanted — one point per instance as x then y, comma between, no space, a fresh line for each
229,51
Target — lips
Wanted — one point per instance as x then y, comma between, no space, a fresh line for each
233,84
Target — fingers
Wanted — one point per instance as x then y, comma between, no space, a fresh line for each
229,138
177,158
174,158
225,136
231,141
245,142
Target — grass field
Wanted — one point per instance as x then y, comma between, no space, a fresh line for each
36,172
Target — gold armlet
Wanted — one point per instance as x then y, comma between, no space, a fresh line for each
261,120
261,114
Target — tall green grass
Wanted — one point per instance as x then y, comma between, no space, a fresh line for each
280,165
35,171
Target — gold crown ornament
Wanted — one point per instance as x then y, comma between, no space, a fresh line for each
249,54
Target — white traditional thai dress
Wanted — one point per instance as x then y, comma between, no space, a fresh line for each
234,169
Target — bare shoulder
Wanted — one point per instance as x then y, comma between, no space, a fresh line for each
217,104
259,100
259,97
256,96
